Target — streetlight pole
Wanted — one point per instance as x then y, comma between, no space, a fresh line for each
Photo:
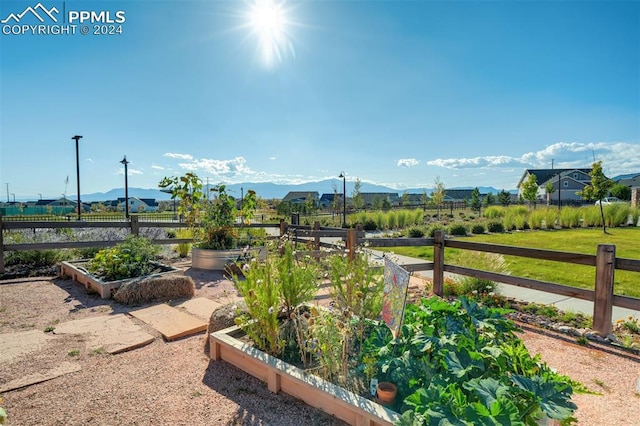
126,188
344,199
77,138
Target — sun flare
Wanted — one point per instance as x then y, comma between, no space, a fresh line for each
268,22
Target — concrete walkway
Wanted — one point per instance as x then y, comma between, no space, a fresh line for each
564,303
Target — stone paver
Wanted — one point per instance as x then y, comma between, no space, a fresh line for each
200,307
171,322
13,345
113,333
65,367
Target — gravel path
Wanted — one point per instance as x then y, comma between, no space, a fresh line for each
175,383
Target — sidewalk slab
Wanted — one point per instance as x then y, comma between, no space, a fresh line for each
171,322
21,343
113,333
200,307
64,368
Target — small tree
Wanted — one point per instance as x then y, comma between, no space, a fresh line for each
598,189
356,195
489,200
476,202
621,191
530,189
424,199
549,189
405,200
438,194
504,198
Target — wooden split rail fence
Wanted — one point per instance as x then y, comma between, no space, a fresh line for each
605,261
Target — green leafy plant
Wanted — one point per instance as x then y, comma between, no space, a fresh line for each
461,363
131,258
211,220
272,289
459,229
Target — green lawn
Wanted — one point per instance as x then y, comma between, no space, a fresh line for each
626,240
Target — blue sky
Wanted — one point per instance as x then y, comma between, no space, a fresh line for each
391,92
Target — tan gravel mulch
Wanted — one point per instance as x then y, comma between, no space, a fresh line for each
175,383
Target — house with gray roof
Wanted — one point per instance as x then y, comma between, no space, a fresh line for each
565,183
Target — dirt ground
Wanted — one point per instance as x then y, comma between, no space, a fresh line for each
175,383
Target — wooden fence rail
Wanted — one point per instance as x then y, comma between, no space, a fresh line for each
134,225
605,261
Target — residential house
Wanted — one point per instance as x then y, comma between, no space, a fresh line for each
632,181
370,198
565,184
138,205
327,200
299,198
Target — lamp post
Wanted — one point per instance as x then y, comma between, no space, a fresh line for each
77,138
126,188
344,199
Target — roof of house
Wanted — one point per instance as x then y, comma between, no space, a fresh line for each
543,175
631,181
300,195
369,197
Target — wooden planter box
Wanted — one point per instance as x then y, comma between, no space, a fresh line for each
105,289
281,376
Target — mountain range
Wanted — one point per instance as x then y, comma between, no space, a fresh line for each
269,190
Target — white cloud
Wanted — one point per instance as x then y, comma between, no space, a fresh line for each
617,158
408,162
153,166
272,158
179,156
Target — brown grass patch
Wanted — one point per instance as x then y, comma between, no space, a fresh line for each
155,289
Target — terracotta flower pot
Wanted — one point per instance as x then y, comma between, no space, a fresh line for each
386,393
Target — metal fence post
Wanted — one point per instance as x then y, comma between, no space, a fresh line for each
438,263
603,295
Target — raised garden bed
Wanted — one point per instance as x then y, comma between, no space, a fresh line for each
78,272
281,376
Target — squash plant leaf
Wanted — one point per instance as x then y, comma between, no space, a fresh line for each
554,398
463,362
487,390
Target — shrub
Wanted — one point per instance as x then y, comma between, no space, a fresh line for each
183,248
550,217
401,218
536,218
458,229
391,220
415,233
616,214
477,228
131,258
369,225
86,252
592,216
35,258
495,227
570,217
490,262
494,212
435,227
